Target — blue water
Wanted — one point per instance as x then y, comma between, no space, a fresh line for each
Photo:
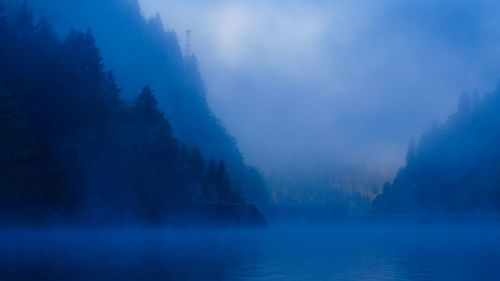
335,252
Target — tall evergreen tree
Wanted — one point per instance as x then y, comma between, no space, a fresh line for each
146,106
24,22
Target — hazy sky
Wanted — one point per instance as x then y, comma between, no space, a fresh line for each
309,86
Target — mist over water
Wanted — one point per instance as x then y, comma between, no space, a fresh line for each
343,251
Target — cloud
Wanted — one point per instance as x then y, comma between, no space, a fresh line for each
308,86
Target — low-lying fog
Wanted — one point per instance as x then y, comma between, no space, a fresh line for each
343,251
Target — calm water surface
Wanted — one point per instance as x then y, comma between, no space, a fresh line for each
335,252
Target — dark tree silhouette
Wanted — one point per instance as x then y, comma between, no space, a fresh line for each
71,149
145,52
455,167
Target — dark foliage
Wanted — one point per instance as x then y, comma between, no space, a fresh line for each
71,149
143,51
455,168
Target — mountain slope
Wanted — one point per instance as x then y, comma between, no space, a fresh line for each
455,167
71,150
141,51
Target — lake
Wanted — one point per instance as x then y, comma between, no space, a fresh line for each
340,251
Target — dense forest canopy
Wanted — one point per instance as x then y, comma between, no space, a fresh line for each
454,168
72,149
144,52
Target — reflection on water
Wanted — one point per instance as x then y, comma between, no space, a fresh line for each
337,252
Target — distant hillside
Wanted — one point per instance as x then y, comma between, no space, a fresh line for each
142,51
454,168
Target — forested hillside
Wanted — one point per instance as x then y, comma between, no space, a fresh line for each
72,150
454,168
144,52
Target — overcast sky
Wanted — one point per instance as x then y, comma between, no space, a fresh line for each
308,85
